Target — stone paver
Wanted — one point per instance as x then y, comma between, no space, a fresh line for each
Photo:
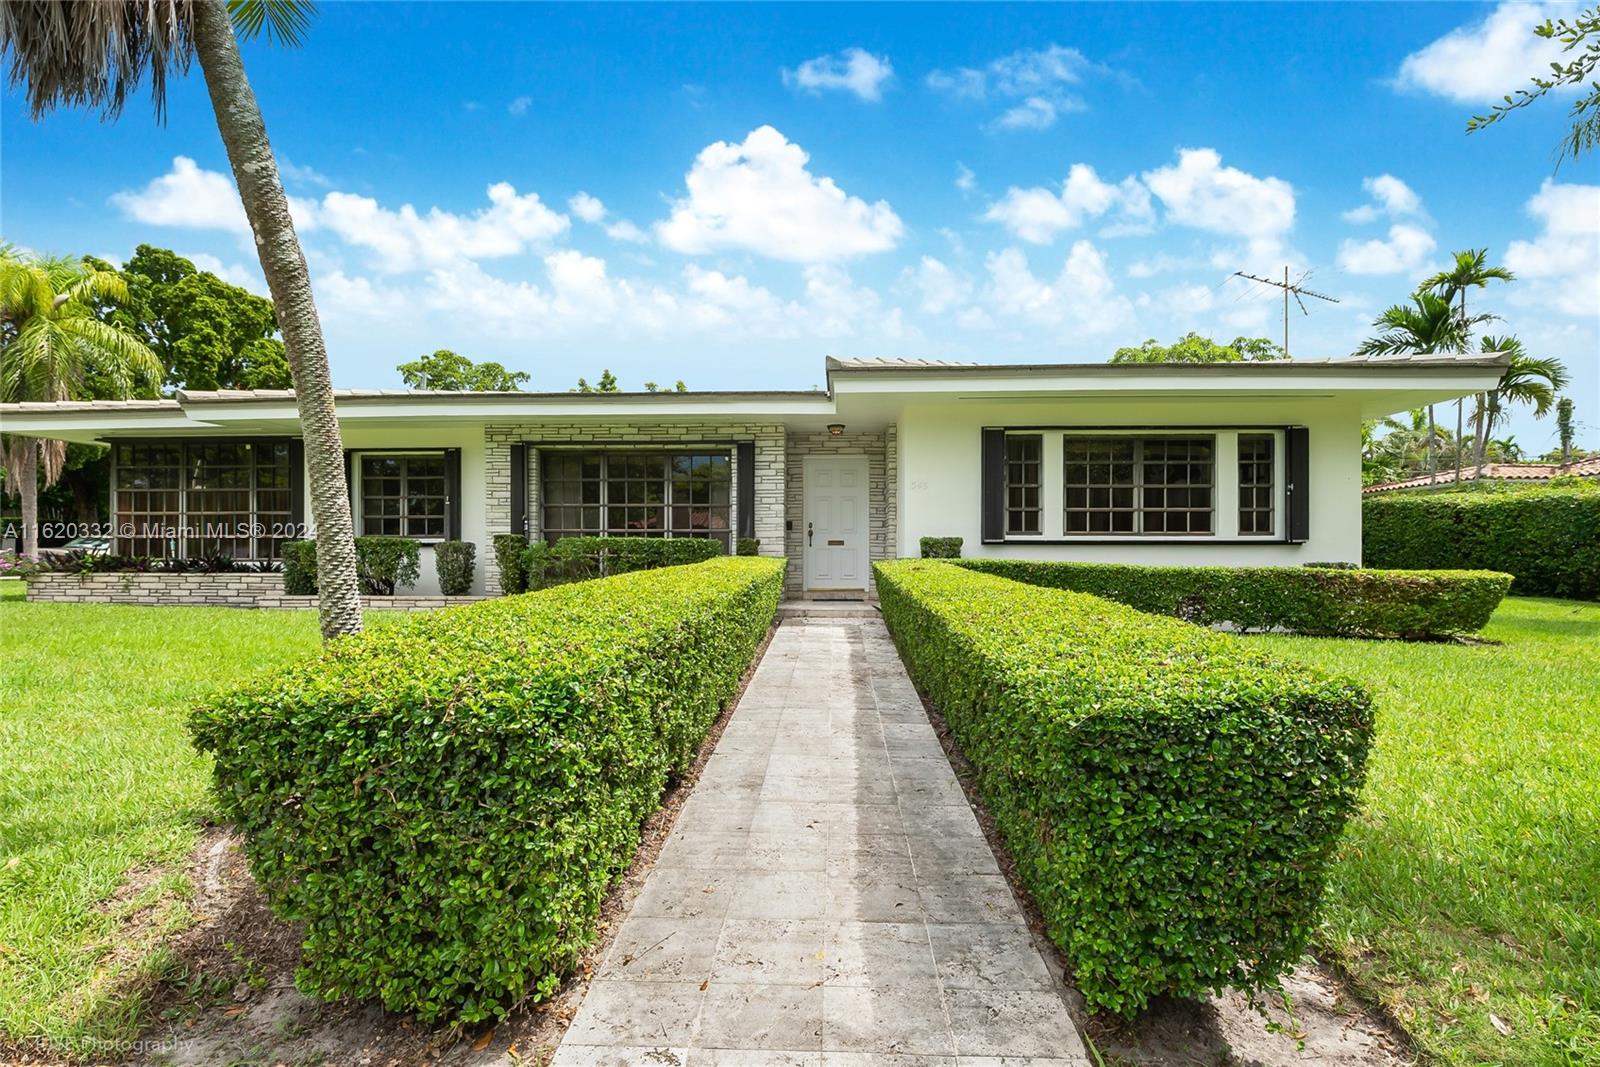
826,898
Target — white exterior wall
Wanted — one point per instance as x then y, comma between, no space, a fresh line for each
940,472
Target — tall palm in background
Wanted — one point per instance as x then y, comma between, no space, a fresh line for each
1429,325
1469,270
94,54
1527,380
49,341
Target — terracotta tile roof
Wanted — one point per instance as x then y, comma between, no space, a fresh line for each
1510,472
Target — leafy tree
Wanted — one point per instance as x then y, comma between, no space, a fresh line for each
1583,30
209,333
50,342
1192,348
1469,270
606,384
1564,428
95,55
445,369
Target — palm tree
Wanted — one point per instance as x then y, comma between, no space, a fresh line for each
1428,325
1469,270
49,339
1526,380
94,54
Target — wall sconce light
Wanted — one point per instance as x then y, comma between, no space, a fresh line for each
836,429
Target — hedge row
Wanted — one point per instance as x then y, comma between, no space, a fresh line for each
442,802
1307,600
1171,795
382,564
576,559
1548,538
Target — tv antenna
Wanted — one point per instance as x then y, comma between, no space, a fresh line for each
1295,290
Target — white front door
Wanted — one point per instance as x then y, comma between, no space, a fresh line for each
835,522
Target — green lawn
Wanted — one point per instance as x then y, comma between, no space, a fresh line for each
99,788
1469,889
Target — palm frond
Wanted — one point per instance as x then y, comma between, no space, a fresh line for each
281,21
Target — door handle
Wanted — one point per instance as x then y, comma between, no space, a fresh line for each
809,532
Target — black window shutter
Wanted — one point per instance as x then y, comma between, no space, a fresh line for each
1297,464
746,459
297,484
452,491
994,485
519,489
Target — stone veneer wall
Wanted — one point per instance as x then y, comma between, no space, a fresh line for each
499,437
231,590
883,455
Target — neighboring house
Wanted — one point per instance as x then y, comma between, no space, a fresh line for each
1147,463
1496,472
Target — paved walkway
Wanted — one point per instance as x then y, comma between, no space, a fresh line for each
826,896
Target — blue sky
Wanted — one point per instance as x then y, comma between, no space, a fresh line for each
726,194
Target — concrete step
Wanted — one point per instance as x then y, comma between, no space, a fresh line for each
828,609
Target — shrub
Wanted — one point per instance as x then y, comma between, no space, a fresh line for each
1171,795
383,563
1307,600
441,803
576,559
300,568
940,547
1548,538
748,546
455,561
508,550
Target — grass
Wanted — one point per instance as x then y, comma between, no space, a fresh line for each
1467,895
101,796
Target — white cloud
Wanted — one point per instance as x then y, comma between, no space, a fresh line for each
759,197
1484,61
1405,249
623,230
1082,296
1390,196
309,175
941,288
1035,81
1202,193
854,70
1188,299
407,240
1560,268
1038,215
198,199
966,181
232,273
586,207
340,296
519,106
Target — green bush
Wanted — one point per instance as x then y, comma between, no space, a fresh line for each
455,561
300,568
1308,600
1548,538
442,803
940,547
385,563
748,546
1171,795
576,559
508,550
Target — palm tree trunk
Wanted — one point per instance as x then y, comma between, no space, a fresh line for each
1480,431
244,135
1460,432
1431,436
28,490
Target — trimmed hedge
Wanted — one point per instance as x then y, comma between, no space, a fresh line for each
300,568
508,550
382,564
442,803
940,547
1547,537
1307,600
747,546
576,559
455,562
1172,796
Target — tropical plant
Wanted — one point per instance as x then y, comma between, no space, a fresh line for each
1469,270
1584,30
1564,428
1192,348
1527,380
606,384
1428,325
50,342
445,369
95,54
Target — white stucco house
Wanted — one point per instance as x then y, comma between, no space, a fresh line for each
1232,463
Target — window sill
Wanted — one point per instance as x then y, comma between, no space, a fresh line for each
1156,539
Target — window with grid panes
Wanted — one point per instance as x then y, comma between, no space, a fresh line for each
403,495
149,498
1024,461
624,493
180,499
1126,485
1255,484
